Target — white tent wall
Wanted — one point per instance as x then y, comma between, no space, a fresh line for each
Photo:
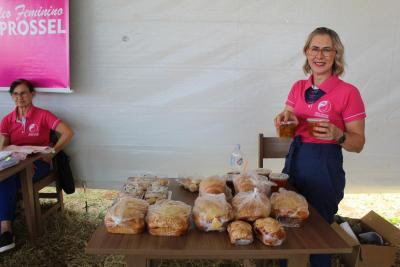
169,86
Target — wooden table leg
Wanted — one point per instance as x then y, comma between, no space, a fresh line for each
137,261
29,204
298,260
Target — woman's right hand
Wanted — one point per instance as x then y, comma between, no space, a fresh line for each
285,115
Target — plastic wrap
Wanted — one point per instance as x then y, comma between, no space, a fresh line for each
168,218
189,183
212,185
240,233
269,231
212,212
289,207
247,181
126,216
250,206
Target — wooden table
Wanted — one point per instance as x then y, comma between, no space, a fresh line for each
25,169
314,237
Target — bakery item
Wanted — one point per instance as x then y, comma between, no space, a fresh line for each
246,182
212,185
212,212
243,183
289,207
156,192
126,216
168,218
189,183
250,206
240,233
269,231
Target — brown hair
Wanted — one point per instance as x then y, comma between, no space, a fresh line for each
338,64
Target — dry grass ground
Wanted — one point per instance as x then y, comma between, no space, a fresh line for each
66,234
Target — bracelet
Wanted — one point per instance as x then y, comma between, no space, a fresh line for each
341,139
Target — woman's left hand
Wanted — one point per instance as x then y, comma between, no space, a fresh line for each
327,131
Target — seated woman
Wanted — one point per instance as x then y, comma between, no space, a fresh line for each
26,125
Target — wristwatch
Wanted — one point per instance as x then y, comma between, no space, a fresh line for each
342,139
53,151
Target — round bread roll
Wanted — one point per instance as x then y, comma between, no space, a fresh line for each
212,185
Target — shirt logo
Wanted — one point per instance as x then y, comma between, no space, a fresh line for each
324,106
33,130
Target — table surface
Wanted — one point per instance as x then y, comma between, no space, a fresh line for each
314,237
4,174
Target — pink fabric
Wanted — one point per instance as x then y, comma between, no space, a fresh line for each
341,104
35,132
34,42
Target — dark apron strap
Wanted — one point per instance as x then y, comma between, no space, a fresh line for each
296,143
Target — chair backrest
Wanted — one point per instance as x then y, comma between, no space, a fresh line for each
272,147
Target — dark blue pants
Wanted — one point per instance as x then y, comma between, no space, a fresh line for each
9,187
316,171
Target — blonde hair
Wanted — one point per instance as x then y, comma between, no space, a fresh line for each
338,64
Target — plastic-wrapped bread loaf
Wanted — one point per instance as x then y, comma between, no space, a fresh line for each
246,182
289,207
190,183
168,218
212,185
126,216
250,206
240,233
212,212
269,231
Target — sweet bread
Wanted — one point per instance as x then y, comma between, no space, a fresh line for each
126,216
250,206
269,231
168,218
289,207
240,233
212,212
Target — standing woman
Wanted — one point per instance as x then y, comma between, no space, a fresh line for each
315,161
26,125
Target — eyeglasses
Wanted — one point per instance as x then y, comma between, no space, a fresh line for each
22,94
326,51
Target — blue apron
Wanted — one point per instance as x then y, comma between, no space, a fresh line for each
316,172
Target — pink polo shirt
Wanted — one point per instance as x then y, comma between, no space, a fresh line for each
35,131
342,103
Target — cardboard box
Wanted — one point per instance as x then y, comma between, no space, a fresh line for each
365,255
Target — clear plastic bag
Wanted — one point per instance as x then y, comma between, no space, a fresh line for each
212,185
126,216
240,233
269,231
168,218
289,207
250,206
247,181
212,212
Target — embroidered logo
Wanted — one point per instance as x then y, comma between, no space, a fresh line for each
33,130
324,106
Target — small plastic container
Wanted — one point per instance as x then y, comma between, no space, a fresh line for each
280,179
287,129
314,122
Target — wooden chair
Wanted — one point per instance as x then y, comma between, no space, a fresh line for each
272,147
42,212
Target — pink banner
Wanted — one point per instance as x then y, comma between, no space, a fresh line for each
34,43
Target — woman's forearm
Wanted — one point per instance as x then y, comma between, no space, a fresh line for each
354,142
